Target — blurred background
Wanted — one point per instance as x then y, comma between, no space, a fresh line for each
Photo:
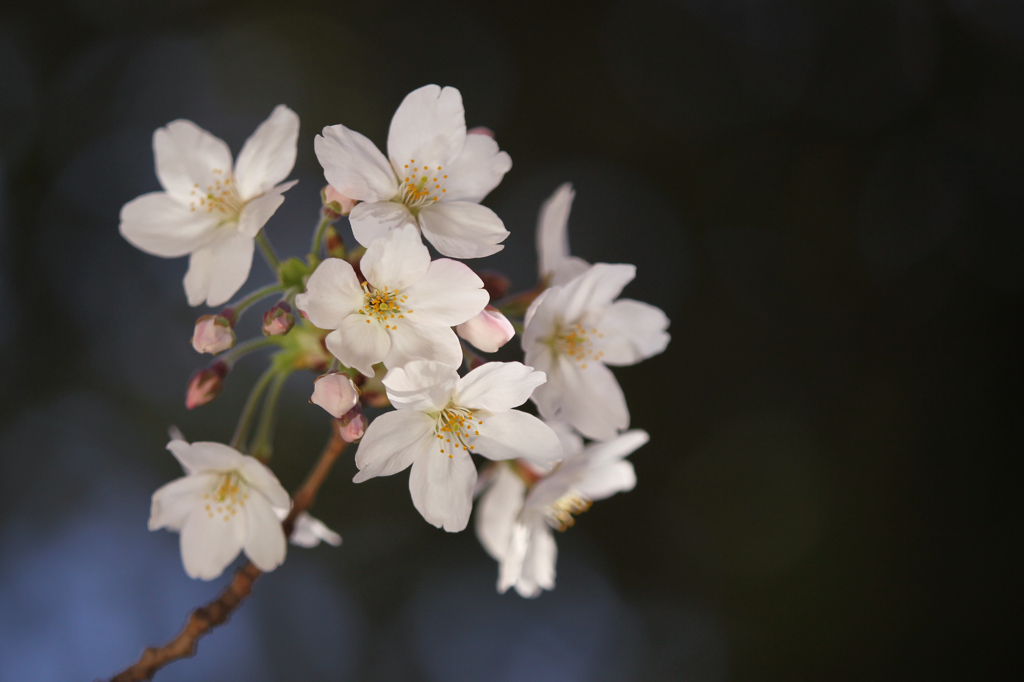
825,197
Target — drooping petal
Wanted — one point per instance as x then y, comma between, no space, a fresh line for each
512,434
159,225
553,229
448,294
497,386
359,342
173,502
268,156
310,531
372,220
413,341
421,385
511,567
441,485
592,400
211,541
632,331
460,229
477,171
259,477
594,290
265,544
354,166
205,456
258,211
392,442
189,160
218,270
497,510
332,294
429,127
396,260
539,563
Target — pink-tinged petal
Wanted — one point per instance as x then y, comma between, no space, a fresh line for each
392,442
497,510
488,331
477,171
461,229
218,270
359,342
553,229
332,294
449,293
514,434
211,541
354,166
336,393
413,341
189,160
421,385
632,331
441,484
268,156
372,221
497,386
592,400
174,502
160,226
265,544
261,479
396,260
258,211
594,290
429,128
205,456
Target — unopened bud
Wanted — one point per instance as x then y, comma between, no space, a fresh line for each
495,283
480,130
278,320
488,331
353,425
213,334
336,393
335,203
205,385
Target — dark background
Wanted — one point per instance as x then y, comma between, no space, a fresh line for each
826,198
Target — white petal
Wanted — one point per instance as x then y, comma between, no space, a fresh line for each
186,159
396,260
258,211
632,331
429,127
265,544
210,543
268,156
309,532
372,220
497,510
568,270
572,443
511,567
539,321
421,385
477,171
414,341
391,443
354,166
539,563
173,502
547,396
448,294
512,434
610,451
159,225
359,342
205,456
592,400
461,229
594,290
497,386
218,270
332,294
441,485
605,481
553,229
259,477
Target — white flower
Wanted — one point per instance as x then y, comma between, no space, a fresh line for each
556,265
227,502
436,177
518,532
210,208
440,420
573,331
403,311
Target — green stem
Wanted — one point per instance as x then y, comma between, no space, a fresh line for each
255,296
318,238
249,411
268,251
249,346
262,445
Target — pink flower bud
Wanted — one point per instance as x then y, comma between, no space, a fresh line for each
278,320
353,425
205,385
488,331
336,393
336,202
213,334
480,130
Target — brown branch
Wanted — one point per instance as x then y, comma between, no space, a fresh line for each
206,618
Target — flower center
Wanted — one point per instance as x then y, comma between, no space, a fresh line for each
220,197
421,184
385,305
228,497
576,343
454,427
560,514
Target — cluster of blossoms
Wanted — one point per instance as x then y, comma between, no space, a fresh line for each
385,324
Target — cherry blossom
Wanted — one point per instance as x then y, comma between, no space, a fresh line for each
555,263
